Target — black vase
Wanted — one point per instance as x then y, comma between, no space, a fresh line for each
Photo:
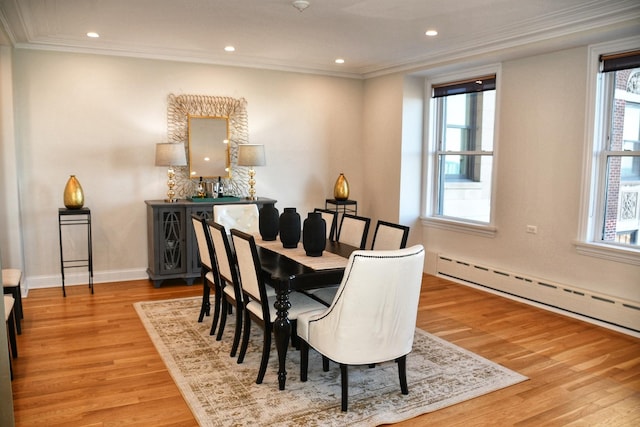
290,228
314,235
269,222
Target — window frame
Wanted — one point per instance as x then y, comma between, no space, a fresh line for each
594,161
431,161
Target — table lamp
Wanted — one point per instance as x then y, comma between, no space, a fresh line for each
170,154
251,155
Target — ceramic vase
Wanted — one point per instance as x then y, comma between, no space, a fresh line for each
269,222
290,228
73,194
314,235
341,188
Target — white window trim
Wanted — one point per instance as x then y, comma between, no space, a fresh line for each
590,210
429,162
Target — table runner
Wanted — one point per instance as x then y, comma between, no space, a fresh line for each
327,261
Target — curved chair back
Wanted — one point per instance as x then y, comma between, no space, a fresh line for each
243,217
253,288
389,236
225,256
354,230
331,219
373,316
204,245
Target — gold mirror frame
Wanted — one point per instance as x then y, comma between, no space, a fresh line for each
180,107
209,154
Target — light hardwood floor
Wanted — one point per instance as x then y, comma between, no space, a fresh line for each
86,360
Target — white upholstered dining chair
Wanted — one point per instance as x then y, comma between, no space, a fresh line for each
258,304
209,268
373,316
243,217
354,230
231,292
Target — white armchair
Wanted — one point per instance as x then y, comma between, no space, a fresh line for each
373,316
243,217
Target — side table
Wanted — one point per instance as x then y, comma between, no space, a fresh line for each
342,206
69,217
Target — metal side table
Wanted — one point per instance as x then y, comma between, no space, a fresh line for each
69,217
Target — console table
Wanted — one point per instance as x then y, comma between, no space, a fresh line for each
171,243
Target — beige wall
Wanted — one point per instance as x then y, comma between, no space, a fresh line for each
539,159
98,117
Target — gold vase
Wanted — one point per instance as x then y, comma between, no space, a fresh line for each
341,189
73,194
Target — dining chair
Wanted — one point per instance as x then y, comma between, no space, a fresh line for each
354,230
373,317
389,236
331,219
231,292
10,321
11,278
258,305
209,272
244,217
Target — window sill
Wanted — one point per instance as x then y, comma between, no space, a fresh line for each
609,252
459,226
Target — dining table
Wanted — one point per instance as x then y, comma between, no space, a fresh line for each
289,270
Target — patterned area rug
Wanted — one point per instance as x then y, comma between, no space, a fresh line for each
221,392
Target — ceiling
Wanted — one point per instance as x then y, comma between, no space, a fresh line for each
374,37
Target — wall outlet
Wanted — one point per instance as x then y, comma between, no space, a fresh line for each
532,229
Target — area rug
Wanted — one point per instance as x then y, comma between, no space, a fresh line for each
221,392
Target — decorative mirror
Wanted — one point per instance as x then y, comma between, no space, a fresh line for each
209,155
179,109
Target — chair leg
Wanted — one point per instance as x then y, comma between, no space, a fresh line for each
223,318
304,360
245,336
344,379
325,363
216,310
402,373
238,331
205,307
266,348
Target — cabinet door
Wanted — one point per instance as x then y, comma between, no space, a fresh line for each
171,243
203,211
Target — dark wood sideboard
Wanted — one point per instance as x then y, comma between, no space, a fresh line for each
171,244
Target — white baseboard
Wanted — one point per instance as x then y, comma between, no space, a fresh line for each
81,278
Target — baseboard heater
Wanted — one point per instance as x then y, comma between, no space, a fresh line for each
610,310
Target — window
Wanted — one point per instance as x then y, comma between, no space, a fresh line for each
462,129
612,217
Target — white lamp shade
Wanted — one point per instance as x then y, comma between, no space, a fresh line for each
170,154
251,155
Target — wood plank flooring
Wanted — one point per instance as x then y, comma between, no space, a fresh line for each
86,360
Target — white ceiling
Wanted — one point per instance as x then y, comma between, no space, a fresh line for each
373,36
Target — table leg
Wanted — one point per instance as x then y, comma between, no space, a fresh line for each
282,331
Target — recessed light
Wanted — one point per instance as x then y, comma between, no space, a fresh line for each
93,35
229,49
339,61
431,33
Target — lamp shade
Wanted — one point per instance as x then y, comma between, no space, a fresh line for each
170,154
251,155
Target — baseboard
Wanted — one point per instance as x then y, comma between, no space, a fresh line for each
82,278
603,310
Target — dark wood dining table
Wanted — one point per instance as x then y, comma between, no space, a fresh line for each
286,274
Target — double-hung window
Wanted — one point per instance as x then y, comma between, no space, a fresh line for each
462,145
613,215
